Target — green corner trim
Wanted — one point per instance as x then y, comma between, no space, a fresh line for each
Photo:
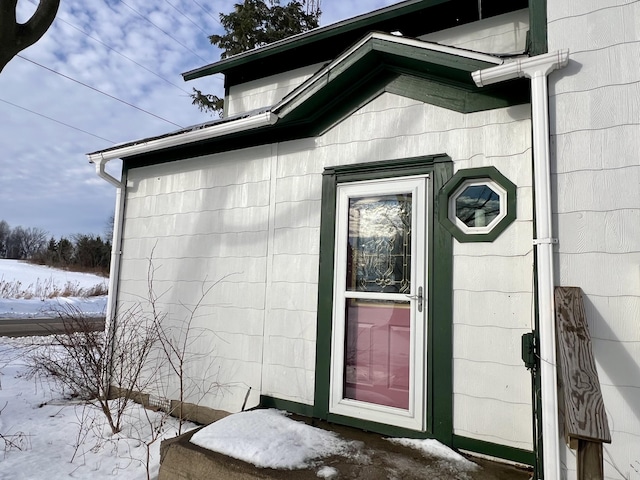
439,402
489,173
512,454
537,41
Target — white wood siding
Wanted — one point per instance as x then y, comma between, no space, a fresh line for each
595,112
265,92
202,222
251,220
502,34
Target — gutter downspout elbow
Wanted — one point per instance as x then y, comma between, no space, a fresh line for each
100,164
537,69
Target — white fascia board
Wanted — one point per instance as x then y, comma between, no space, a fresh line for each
146,146
322,77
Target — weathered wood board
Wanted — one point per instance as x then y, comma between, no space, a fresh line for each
585,416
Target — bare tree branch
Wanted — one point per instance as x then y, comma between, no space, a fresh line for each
14,36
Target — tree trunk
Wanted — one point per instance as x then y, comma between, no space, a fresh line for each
14,36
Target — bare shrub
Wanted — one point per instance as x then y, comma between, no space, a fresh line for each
139,352
181,347
85,363
14,441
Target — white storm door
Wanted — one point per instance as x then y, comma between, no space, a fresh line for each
379,335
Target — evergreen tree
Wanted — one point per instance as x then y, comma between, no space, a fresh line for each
253,24
5,231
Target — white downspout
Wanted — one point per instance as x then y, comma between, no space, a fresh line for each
116,242
537,69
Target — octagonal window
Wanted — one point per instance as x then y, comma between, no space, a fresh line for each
480,204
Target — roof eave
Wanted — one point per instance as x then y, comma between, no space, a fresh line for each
466,61
310,36
260,120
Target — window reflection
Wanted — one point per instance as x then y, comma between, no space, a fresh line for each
477,206
379,244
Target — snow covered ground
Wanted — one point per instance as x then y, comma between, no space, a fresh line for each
46,436
25,291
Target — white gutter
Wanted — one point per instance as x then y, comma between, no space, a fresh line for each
537,69
146,146
116,242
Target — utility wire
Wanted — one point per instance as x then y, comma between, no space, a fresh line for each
100,91
163,31
117,52
207,12
124,56
57,121
185,16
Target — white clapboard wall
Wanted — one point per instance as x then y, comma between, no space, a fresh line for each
595,112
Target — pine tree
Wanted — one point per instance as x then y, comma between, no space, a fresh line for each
253,24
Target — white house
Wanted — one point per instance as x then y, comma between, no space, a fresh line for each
387,214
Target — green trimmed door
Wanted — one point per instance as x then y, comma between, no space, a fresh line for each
379,332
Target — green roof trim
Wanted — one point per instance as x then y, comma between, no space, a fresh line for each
413,18
366,21
380,62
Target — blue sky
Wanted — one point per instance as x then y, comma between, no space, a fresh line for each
133,50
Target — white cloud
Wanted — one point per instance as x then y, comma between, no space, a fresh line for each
46,181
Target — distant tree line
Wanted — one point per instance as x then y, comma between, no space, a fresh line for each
79,252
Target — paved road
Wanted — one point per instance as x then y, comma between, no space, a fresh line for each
25,327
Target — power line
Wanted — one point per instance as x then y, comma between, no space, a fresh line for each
117,52
57,121
124,56
207,12
185,16
163,31
100,91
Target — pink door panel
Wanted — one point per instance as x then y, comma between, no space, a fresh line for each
377,352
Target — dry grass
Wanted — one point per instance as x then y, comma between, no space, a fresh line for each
48,288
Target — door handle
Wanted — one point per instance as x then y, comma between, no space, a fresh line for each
417,297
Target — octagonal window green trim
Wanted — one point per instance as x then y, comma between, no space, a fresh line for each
474,177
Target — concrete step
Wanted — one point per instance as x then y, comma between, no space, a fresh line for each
377,459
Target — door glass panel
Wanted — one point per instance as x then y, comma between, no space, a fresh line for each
377,347
379,244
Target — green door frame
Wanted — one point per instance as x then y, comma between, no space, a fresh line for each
439,401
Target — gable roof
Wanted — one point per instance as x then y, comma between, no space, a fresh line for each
379,62
412,18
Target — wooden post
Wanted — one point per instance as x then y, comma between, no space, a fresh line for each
590,460
584,412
